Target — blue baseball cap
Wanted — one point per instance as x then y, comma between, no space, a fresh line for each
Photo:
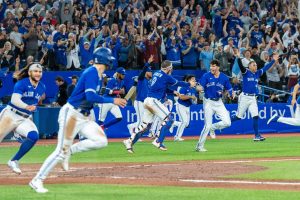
121,70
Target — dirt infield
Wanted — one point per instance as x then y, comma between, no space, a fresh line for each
190,174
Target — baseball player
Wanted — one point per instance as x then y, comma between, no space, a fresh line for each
186,97
76,116
153,106
142,87
17,115
114,88
247,99
213,84
294,121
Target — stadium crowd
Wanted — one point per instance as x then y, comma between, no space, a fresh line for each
62,34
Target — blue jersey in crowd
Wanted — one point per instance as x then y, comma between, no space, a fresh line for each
233,22
87,89
250,79
173,53
160,82
256,38
30,94
113,85
189,59
213,87
86,54
189,91
217,25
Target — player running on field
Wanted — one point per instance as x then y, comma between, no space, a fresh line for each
213,84
142,87
114,88
247,99
77,117
294,121
17,115
153,106
186,97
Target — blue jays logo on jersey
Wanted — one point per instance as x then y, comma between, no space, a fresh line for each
28,94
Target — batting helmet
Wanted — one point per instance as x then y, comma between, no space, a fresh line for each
103,56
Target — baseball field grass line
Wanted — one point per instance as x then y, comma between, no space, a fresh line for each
240,182
124,192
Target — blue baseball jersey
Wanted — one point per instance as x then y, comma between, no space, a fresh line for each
190,91
160,82
30,94
113,84
250,79
88,84
213,87
256,38
142,89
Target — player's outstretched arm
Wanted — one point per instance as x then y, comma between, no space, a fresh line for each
120,102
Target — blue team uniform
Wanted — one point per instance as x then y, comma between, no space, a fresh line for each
250,79
30,95
112,85
213,87
85,93
187,91
159,83
142,85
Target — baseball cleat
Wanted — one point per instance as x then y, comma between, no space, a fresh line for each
163,147
159,145
212,134
259,138
274,118
178,139
14,166
38,186
202,149
127,144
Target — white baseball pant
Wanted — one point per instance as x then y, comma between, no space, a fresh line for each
210,108
184,119
294,121
247,102
105,108
139,110
10,121
71,122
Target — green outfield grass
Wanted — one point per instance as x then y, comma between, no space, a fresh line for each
219,149
107,192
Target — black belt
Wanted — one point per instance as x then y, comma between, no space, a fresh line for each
247,94
84,112
214,99
19,113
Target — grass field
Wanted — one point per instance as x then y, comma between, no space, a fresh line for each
219,150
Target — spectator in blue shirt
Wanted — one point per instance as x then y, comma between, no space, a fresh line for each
173,52
206,56
255,36
86,49
123,52
60,52
189,55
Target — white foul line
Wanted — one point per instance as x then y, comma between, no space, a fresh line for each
241,182
252,161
